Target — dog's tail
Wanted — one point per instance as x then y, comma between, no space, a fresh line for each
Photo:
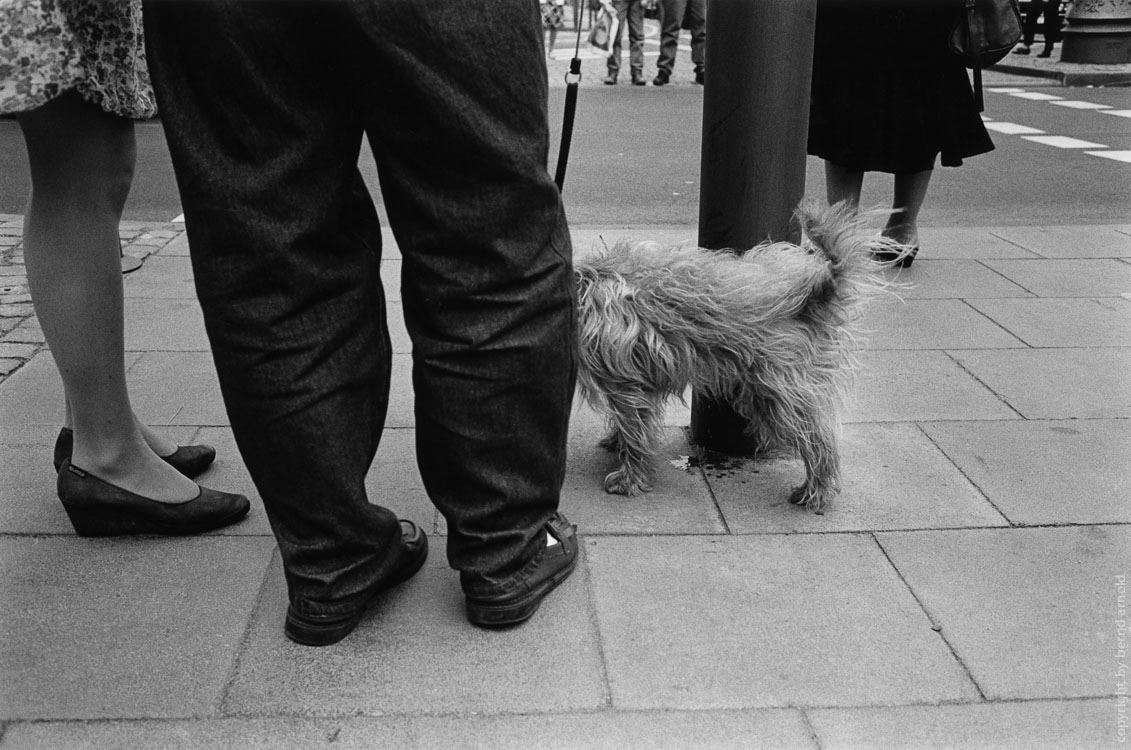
839,234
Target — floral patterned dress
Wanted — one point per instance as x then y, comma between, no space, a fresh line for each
96,47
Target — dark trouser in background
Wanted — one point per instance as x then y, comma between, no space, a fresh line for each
631,14
1050,9
677,14
265,105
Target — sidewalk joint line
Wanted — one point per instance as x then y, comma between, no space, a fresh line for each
936,625
985,495
968,371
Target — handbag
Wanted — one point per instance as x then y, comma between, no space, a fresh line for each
604,29
984,33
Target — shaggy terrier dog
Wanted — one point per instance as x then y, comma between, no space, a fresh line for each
772,332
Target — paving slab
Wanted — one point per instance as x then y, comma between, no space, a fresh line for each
1045,472
28,503
277,733
389,247
1096,241
955,279
34,393
394,481
910,386
415,652
164,325
932,324
1031,612
1035,725
176,387
398,331
177,247
1062,322
679,503
615,730
27,331
808,621
894,478
1056,383
952,243
1098,277
161,278
123,628
599,730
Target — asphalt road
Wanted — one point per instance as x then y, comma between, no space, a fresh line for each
636,152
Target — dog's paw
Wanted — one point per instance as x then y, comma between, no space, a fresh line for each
810,497
621,482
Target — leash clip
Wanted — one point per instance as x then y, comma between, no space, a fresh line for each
574,70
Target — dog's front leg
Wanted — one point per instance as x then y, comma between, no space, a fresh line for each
633,421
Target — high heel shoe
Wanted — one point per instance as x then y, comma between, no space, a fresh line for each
896,260
190,460
98,508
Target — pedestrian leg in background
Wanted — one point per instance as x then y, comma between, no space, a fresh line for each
695,20
1050,10
636,41
630,14
671,21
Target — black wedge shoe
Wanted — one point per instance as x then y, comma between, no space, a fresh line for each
190,460
98,508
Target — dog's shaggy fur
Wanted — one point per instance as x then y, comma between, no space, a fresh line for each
771,332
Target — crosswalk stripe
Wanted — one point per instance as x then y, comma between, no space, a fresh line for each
1117,112
1124,156
1011,128
1080,105
1062,141
1037,96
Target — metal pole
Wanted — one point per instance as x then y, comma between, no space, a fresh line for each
755,128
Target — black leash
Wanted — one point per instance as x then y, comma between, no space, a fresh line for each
572,79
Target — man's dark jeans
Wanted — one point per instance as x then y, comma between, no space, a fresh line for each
265,105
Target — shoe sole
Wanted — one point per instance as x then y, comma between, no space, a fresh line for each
308,633
519,610
97,522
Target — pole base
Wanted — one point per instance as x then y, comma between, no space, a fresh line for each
716,427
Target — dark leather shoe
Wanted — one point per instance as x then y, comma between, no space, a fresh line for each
638,79
611,79
517,606
98,508
312,629
190,460
661,79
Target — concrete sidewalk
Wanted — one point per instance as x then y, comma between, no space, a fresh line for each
968,588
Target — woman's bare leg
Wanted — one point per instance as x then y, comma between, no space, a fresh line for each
82,163
910,194
842,184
